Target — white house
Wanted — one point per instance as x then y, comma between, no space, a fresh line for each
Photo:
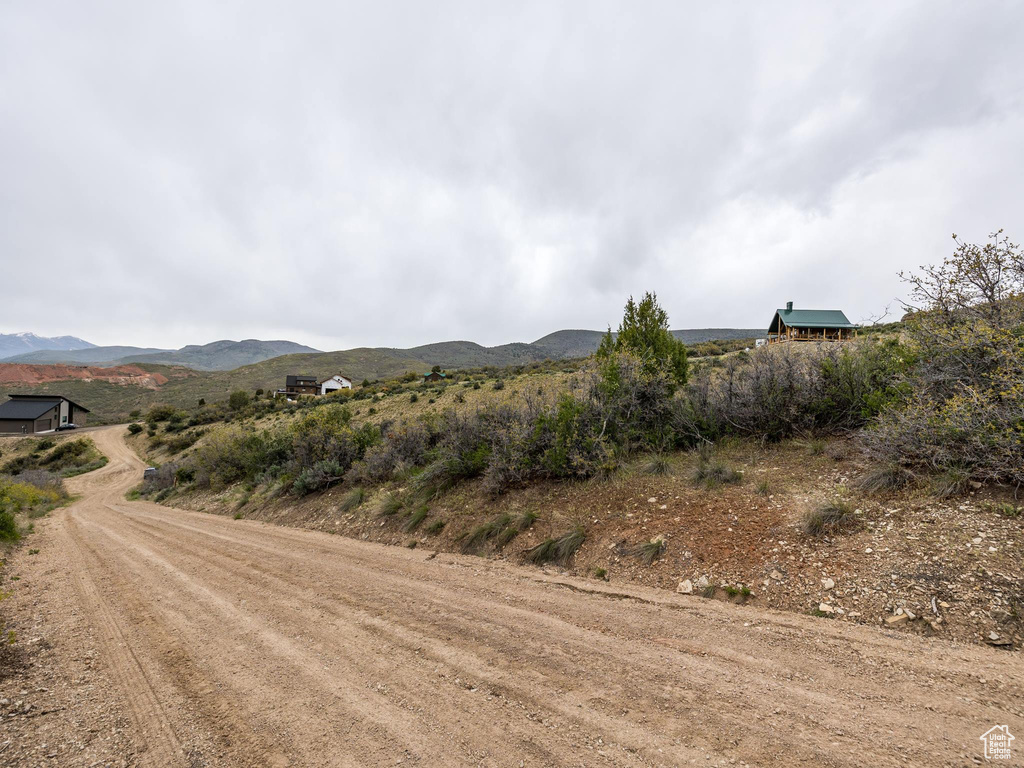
335,383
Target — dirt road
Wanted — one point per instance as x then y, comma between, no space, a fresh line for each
235,643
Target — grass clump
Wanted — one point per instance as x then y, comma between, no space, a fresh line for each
831,518
239,515
712,473
415,517
487,531
353,499
389,505
884,479
815,447
558,550
952,482
436,526
650,551
601,573
764,487
658,465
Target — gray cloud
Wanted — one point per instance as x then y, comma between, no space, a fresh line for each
400,173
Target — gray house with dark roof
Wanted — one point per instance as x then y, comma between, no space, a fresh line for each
32,414
810,325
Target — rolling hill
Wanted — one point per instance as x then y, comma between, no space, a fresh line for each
190,375
221,355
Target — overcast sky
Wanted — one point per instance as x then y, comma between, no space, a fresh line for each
396,173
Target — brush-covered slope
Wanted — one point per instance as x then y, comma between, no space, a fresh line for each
113,355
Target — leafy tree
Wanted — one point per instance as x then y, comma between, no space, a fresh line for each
644,334
436,369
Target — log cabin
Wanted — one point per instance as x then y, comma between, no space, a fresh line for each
810,325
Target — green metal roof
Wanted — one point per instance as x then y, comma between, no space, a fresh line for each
812,318
439,373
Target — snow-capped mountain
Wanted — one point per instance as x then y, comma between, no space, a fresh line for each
18,343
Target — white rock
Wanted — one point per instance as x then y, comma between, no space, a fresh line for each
685,587
776,575
826,608
828,583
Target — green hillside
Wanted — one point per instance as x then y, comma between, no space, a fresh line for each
112,402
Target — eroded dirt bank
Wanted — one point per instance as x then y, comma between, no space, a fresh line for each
190,639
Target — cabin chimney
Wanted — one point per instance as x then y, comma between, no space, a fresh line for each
789,306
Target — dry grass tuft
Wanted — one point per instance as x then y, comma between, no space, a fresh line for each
829,519
650,551
884,479
558,550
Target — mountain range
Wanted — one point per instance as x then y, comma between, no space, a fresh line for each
19,343
229,355
215,356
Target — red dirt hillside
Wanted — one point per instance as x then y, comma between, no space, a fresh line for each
17,373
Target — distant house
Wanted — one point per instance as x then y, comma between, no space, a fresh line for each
810,325
300,385
32,414
335,383
434,376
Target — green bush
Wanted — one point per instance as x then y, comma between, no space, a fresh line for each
8,527
134,428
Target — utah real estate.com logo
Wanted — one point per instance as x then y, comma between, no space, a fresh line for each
997,742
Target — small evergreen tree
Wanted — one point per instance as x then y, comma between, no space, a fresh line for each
644,334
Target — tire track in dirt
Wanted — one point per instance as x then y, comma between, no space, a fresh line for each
160,744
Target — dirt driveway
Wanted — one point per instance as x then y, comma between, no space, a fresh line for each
226,642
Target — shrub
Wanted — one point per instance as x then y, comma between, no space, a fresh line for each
499,385
134,428
831,518
158,413
965,400
8,527
238,399
558,550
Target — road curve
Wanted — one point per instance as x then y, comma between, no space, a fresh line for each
237,643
